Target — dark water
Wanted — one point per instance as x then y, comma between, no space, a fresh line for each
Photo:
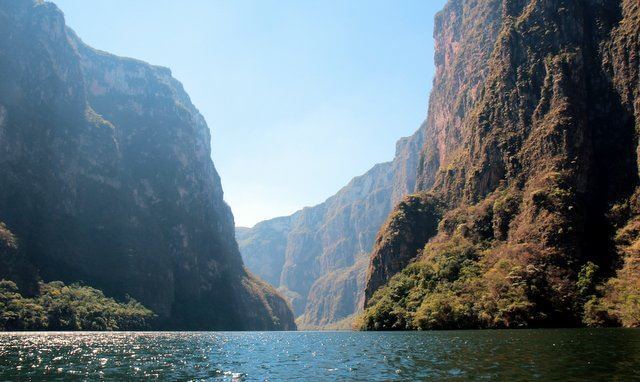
545,355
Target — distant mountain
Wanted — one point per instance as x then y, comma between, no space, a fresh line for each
528,211
107,179
264,246
318,256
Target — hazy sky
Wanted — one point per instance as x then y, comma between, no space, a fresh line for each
300,95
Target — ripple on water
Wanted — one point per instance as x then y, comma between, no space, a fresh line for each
248,356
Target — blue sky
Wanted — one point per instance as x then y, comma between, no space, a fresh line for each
300,95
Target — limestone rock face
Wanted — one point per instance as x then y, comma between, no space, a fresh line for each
531,148
464,33
107,179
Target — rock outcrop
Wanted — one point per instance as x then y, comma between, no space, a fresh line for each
107,178
414,220
14,264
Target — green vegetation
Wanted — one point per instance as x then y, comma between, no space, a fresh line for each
29,304
460,285
68,307
620,301
438,293
471,275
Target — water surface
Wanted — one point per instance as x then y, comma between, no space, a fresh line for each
545,355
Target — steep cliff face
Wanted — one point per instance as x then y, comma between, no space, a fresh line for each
538,177
331,236
318,256
107,179
464,34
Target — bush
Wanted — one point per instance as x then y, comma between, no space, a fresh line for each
18,313
461,285
72,307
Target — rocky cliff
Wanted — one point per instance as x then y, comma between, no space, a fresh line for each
107,179
464,34
531,151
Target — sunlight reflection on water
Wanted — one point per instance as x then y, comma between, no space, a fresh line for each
457,355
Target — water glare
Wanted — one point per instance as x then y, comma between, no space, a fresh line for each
611,354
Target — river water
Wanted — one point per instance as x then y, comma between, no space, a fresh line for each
509,355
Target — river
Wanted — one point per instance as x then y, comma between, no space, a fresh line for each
509,355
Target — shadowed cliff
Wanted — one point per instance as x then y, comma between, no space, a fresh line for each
107,178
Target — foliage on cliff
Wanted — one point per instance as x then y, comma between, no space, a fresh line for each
467,277
404,233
